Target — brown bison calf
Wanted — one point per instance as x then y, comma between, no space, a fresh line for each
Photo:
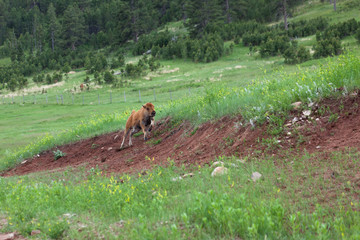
140,120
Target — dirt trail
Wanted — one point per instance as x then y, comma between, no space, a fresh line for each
319,132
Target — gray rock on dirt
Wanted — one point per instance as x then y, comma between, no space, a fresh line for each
296,105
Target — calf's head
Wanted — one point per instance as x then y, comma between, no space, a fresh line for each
150,108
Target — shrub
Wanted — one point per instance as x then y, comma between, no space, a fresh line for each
295,54
275,46
48,79
108,77
327,47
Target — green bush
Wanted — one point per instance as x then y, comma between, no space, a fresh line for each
327,47
294,54
108,77
275,46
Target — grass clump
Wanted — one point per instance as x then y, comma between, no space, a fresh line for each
58,154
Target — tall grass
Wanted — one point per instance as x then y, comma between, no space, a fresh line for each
272,95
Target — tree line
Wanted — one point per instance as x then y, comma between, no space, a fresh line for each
38,25
62,34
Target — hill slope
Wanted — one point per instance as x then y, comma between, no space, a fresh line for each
332,126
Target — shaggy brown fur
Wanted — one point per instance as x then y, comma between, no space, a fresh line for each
140,120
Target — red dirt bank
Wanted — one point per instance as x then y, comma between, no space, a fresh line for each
226,136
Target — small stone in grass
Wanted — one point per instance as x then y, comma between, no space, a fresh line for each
296,105
255,176
219,171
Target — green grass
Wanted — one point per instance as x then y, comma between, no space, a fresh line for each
314,9
269,98
84,204
21,124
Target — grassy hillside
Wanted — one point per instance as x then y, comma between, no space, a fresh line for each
300,195
21,123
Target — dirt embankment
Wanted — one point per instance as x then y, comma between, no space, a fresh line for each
333,124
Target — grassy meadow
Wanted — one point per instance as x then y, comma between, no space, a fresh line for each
294,199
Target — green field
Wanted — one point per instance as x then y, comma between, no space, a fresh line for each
21,123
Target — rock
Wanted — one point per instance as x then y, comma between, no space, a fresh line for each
296,105
35,232
216,164
219,171
307,113
7,236
175,179
295,119
255,176
188,175
252,123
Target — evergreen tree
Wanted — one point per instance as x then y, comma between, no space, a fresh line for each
202,13
2,22
53,25
234,10
73,26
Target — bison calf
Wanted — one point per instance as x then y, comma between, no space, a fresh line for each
140,120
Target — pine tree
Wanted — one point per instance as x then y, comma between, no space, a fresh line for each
234,10
2,23
73,26
202,13
53,25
